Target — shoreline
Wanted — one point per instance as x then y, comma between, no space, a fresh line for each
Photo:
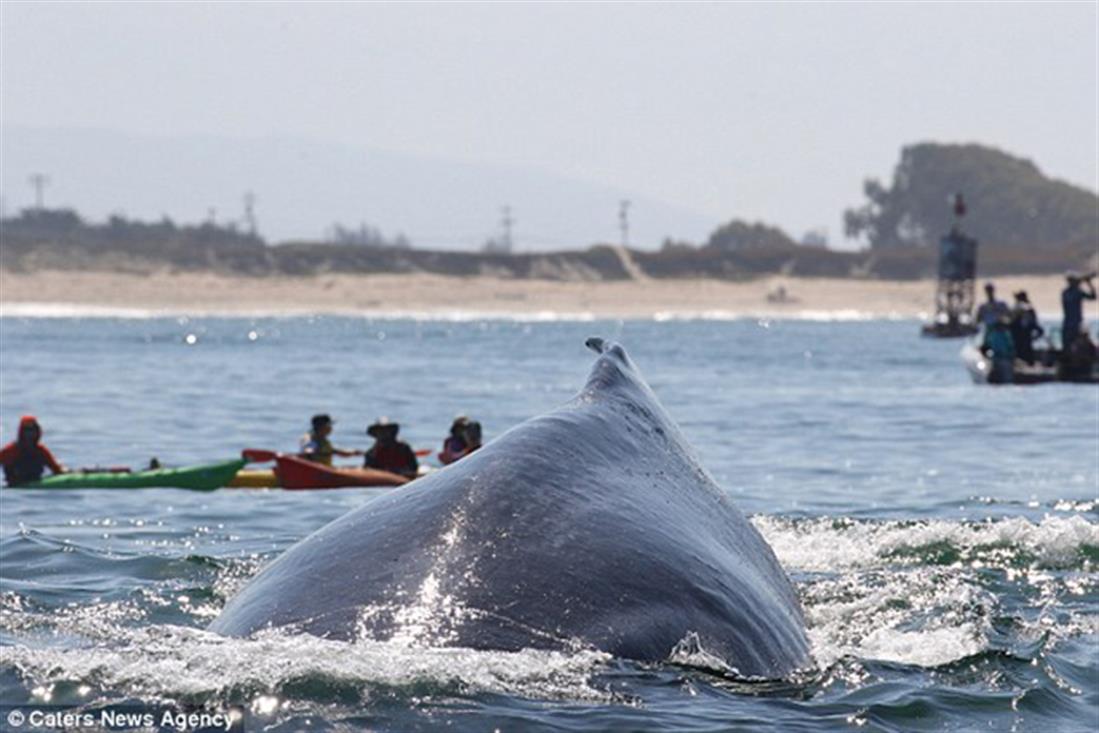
56,293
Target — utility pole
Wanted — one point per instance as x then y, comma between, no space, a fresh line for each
38,181
506,223
250,212
624,221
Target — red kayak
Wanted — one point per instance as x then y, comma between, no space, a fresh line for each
297,473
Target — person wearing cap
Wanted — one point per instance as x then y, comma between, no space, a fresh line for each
315,445
1072,303
25,459
1024,327
388,453
454,447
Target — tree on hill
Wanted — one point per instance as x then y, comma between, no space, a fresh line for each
1011,202
741,235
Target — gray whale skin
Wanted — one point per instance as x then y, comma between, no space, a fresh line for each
590,526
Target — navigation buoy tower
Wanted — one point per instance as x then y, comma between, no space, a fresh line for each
954,293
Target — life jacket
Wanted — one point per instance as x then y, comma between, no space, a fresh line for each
317,449
1000,344
28,466
453,449
396,457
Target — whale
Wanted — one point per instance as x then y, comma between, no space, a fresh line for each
593,526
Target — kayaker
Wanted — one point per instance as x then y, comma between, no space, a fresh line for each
454,447
1024,327
315,445
1072,302
25,459
472,435
388,453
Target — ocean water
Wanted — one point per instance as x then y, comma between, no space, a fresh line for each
943,537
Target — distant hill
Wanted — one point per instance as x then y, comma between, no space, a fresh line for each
59,239
1012,205
304,187
1026,224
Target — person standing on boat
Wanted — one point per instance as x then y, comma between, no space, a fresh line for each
315,445
1000,349
1072,303
1024,327
388,453
25,459
991,311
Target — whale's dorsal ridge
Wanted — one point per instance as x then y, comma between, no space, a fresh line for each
604,347
612,370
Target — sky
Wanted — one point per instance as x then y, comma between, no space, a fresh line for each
762,111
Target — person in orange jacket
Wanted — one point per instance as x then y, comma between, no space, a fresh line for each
25,459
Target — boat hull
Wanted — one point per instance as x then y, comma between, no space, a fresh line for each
299,474
1043,370
206,477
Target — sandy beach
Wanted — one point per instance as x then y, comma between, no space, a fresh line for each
63,292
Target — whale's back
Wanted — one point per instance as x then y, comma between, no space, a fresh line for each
593,524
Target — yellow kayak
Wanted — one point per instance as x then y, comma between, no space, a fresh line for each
254,478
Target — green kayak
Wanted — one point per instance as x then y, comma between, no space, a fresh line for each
206,477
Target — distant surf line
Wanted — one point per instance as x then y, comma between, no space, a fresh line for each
84,310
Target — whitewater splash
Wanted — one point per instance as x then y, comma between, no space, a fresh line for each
180,663
826,544
921,593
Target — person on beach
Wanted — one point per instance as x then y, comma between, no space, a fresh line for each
1024,327
1000,349
388,453
1072,303
25,459
315,445
454,447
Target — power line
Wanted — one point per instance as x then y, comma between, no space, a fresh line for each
624,221
250,212
38,181
506,223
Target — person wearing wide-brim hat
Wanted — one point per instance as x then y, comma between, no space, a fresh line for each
388,453
315,445
1024,327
